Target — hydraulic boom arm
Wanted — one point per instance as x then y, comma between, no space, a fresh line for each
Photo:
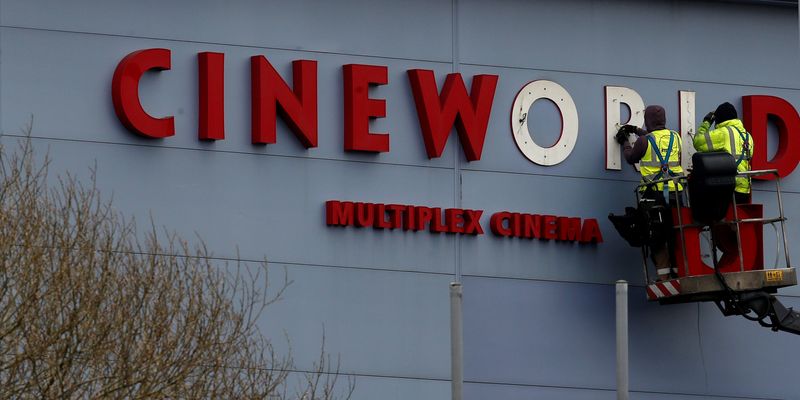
764,308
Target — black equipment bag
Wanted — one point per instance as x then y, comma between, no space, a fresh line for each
648,224
629,227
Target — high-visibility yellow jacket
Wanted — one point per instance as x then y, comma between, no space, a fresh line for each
729,136
650,164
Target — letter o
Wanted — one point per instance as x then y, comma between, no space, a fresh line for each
556,93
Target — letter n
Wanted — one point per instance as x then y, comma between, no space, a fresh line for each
271,94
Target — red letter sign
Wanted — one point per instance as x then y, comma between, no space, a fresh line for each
757,109
298,108
359,108
339,212
437,114
212,96
125,93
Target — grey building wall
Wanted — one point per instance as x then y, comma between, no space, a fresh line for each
538,315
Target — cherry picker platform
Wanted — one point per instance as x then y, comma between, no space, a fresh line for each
708,287
737,282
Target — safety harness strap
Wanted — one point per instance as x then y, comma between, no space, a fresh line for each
745,154
658,164
709,142
663,162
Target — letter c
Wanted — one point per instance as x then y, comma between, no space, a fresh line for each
125,93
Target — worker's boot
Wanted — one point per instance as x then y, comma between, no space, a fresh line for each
663,267
663,274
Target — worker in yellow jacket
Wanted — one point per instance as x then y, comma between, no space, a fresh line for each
658,152
728,135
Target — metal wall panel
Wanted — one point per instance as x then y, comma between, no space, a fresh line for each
688,40
371,388
475,391
350,27
388,388
382,323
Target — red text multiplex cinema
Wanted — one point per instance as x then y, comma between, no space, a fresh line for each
461,221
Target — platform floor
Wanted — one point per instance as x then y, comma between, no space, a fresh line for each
708,288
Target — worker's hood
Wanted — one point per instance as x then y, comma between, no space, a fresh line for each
725,112
655,118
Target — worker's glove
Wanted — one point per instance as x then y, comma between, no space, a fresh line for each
623,133
621,137
709,118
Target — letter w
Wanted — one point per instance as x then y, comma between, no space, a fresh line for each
438,113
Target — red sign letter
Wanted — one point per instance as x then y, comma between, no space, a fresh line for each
437,114
298,108
125,93
472,222
569,229
757,109
211,125
496,223
591,232
359,108
339,212
549,227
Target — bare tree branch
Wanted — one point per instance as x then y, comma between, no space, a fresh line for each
92,307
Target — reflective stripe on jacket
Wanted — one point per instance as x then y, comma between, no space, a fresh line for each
729,136
650,166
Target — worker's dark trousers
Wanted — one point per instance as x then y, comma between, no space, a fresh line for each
724,236
661,252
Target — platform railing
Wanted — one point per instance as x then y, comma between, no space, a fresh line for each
781,216
681,181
